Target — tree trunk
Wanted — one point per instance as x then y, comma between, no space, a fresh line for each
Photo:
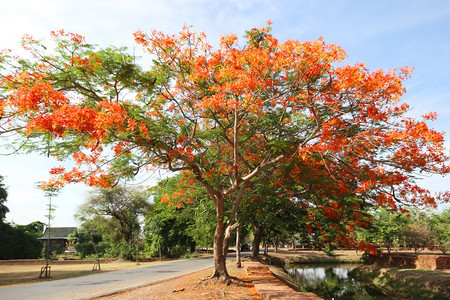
227,239
159,249
223,231
220,246
238,248
256,241
220,268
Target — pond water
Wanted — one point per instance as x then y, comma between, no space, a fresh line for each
333,282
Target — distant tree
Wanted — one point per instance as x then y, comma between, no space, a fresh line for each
203,214
35,228
90,240
169,230
416,235
440,226
3,195
17,241
118,210
277,214
20,241
386,228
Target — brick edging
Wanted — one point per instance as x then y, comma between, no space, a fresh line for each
270,287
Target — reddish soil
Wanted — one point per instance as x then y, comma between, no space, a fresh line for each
195,286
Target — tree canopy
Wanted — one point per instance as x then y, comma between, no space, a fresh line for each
223,117
116,211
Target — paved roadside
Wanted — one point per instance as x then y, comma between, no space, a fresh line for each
96,285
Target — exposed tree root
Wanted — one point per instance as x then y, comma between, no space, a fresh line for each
221,279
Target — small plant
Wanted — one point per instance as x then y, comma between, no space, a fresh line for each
328,250
188,255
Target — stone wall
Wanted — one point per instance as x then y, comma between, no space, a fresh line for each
433,262
411,261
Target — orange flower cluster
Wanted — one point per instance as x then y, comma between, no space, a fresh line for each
233,114
74,37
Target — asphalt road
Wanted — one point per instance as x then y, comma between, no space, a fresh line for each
96,285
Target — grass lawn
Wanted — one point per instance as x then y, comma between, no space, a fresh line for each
17,274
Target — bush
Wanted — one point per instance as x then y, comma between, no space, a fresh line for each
16,242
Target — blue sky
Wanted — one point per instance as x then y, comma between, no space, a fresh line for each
383,34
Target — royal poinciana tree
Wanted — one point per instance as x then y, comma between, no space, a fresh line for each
222,117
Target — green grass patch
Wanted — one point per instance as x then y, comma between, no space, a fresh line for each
407,283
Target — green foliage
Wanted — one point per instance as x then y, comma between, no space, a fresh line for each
167,231
188,255
274,212
385,229
405,284
17,241
416,235
440,226
418,231
88,73
114,214
176,230
328,249
90,241
203,214
229,119
3,195
96,237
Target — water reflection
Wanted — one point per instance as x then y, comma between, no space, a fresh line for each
333,282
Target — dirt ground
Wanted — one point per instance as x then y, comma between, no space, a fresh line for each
195,286
191,286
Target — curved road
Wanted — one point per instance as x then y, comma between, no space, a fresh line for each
96,285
